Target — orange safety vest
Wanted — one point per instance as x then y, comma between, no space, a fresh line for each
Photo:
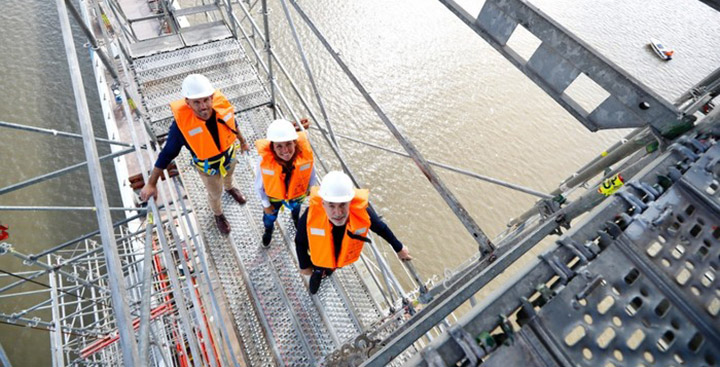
272,173
196,133
319,231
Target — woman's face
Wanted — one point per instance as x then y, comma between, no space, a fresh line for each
284,150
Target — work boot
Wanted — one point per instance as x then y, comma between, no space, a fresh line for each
315,279
222,224
237,195
267,236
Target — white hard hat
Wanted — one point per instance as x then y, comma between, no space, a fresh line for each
280,131
336,187
197,86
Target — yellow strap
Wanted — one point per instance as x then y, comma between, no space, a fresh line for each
223,171
274,200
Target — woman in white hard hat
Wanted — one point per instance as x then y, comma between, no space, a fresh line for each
284,174
332,231
205,124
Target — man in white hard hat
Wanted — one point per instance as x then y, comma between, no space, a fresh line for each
205,124
284,173
332,231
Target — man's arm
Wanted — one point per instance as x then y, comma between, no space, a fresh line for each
304,122
243,143
382,229
150,188
173,145
302,246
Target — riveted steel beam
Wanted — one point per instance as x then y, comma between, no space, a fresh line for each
560,58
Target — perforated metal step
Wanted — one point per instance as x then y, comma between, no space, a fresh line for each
345,318
224,62
256,347
295,327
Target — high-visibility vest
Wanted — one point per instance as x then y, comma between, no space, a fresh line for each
196,133
319,231
272,171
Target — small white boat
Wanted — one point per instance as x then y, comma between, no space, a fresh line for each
660,49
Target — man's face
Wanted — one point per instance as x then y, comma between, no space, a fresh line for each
285,150
337,212
202,107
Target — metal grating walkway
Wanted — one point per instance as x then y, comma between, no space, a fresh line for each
223,62
633,284
651,295
277,319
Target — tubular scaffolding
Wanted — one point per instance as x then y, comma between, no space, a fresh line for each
162,287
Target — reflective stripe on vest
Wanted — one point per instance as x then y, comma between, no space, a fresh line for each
195,132
322,247
272,173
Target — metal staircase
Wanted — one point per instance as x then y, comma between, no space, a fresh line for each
275,315
223,62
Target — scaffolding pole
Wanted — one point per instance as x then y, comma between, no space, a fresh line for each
485,245
334,147
60,208
60,172
54,132
268,49
309,73
118,292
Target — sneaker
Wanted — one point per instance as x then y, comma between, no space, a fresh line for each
237,195
267,236
315,279
222,224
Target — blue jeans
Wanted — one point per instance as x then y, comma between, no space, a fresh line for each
293,205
